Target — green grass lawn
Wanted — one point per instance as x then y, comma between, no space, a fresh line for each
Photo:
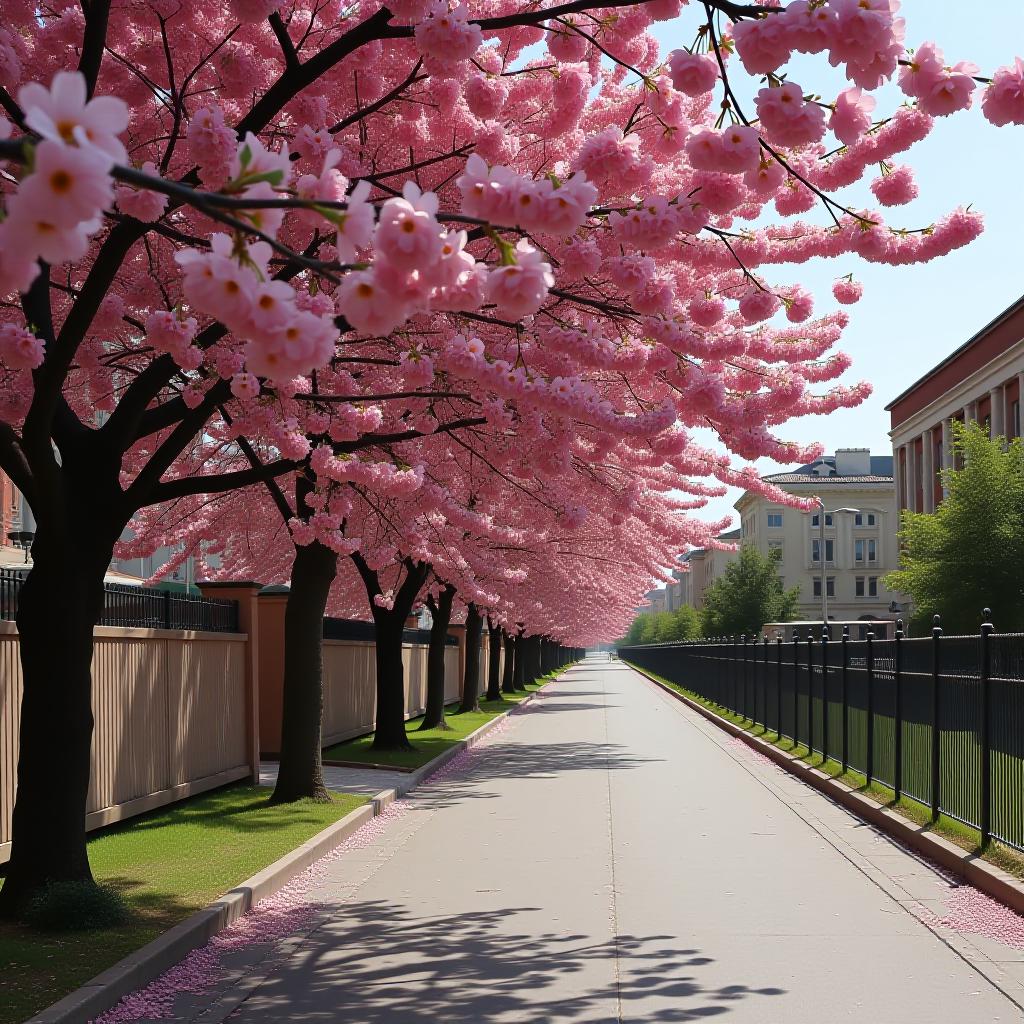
167,865
428,743
967,838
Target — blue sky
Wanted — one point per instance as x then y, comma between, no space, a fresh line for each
911,317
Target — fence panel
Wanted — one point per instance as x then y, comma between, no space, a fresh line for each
887,699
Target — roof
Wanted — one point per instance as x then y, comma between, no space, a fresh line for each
1010,311
881,467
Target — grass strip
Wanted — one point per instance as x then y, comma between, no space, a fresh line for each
166,864
429,743
967,838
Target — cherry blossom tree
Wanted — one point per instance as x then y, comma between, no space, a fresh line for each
409,221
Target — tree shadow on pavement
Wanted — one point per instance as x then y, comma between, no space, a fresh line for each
375,962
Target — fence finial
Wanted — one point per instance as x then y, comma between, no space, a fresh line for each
936,625
899,628
986,614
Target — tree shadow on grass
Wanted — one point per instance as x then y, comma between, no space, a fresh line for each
375,962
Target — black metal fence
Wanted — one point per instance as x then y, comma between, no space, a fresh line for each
939,719
145,607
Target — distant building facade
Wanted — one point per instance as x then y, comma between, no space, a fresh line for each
860,546
982,381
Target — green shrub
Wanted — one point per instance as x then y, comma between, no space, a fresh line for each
76,906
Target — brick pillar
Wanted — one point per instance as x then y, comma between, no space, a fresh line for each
272,601
245,593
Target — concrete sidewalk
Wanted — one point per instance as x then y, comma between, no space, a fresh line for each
611,857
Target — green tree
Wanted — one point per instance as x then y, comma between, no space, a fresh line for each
663,627
969,553
747,595
687,623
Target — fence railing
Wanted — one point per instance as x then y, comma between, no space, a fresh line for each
141,607
939,719
361,630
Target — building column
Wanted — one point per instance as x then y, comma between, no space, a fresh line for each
928,471
968,413
947,452
910,497
995,415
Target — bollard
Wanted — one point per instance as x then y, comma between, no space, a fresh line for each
936,729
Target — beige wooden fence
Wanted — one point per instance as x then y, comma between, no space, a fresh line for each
171,719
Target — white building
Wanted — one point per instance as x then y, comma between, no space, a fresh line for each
860,545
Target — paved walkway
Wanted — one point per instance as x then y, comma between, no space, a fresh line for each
364,781
612,857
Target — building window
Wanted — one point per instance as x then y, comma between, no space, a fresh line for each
862,518
830,586
775,520
872,550
871,519
775,545
858,550
816,519
1015,418
859,586
872,586
830,555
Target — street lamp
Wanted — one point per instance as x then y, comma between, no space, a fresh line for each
822,513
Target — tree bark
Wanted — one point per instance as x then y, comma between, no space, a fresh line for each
471,679
508,679
533,667
59,605
519,672
441,612
493,661
300,773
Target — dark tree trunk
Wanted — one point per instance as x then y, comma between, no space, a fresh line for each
508,680
389,728
300,773
533,669
441,612
519,672
493,662
59,604
471,680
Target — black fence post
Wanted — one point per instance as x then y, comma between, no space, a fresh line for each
810,693
167,609
778,686
796,689
824,694
845,744
741,702
764,684
986,732
869,769
936,728
897,725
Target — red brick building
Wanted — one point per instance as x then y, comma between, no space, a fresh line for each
981,381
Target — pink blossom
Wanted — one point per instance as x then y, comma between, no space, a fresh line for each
252,11
252,159
895,187
211,145
734,150
565,208
706,311
758,304
563,43
847,291
31,228
20,349
810,25
922,69
143,204
408,235
64,114
18,266
1003,102
520,289
68,185
851,115
693,73
448,36
305,343
485,95
367,307
951,90
799,304
216,282
764,44
787,118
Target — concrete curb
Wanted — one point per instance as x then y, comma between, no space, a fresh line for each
991,880
150,961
